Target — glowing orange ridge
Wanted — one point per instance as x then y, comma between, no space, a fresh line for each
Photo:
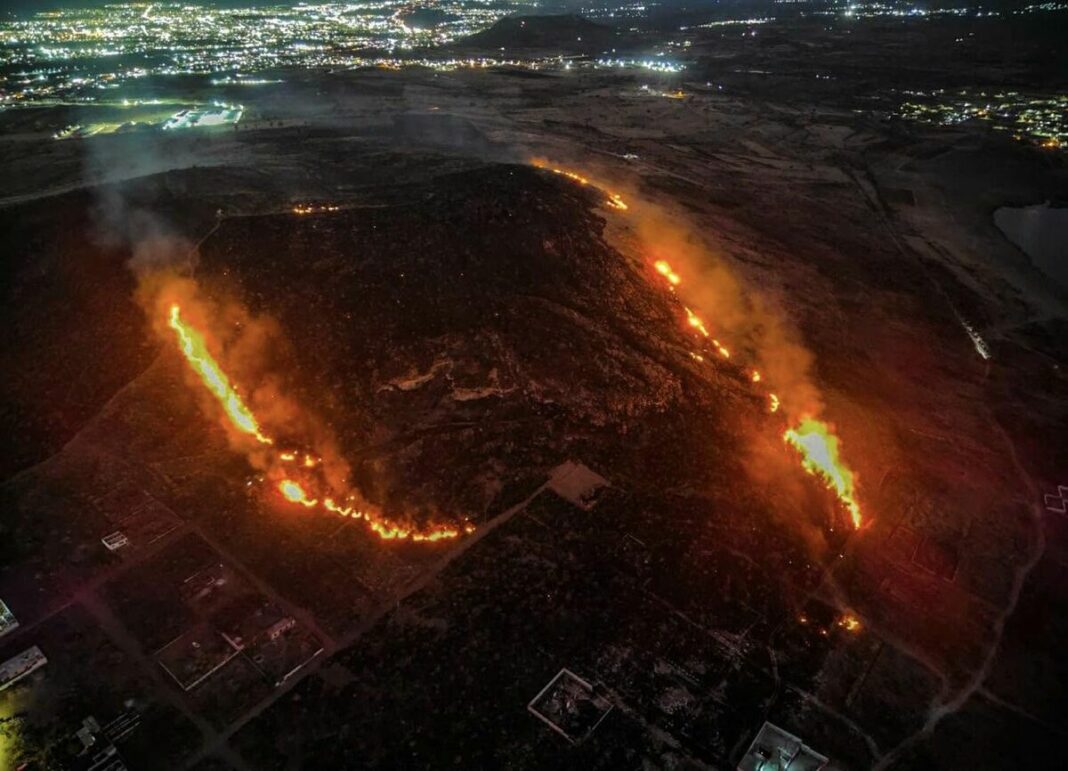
613,199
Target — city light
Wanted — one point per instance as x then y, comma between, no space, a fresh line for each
83,55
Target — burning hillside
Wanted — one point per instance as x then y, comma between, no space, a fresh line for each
441,348
813,439
298,472
346,357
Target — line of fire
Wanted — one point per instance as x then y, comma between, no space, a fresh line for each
813,439
293,471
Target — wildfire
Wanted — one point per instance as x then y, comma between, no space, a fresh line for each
571,175
819,457
613,200
294,493
196,353
192,345
694,321
811,438
849,622
389,531
664,269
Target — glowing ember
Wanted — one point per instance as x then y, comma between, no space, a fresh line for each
694,321
773,403
307,208
755,377
849,622
819,456
196,353
294,493
664,269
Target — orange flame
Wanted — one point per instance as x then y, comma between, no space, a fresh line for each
819,457
308,208
664,269
694,321
812,438
849,622
196,353
612,199
571,175
192,345
294,493
389,531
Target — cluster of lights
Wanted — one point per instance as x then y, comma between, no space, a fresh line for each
190,116
907,10
848,622
217,115
654,65
243,80
77,55
914,10
627,11
733,23
675,94
66,53
303,209
1040,119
